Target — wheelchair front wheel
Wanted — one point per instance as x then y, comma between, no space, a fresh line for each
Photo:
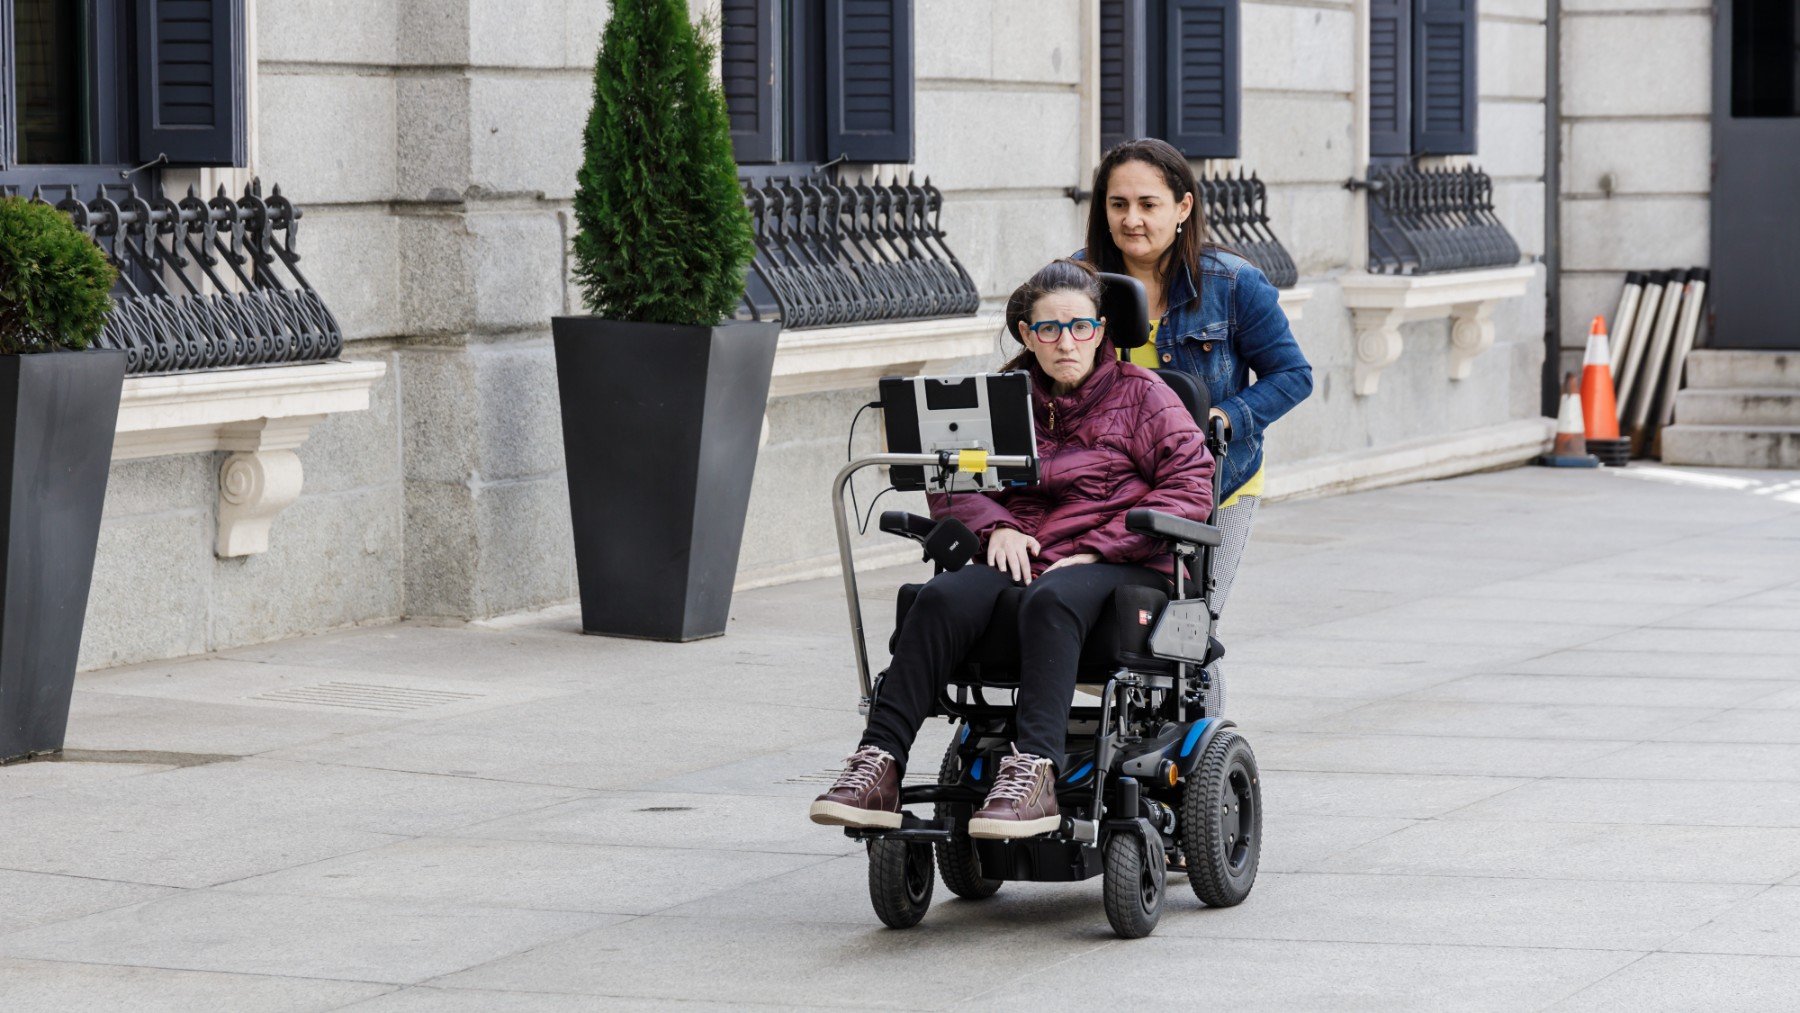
1136,874
958,864
900,881
1221,821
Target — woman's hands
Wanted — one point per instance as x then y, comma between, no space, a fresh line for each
1076,560
1010,551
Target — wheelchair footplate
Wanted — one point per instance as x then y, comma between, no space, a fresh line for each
911,828
1073,832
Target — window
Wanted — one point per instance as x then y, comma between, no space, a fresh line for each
89,88
1422,83
1169,69
813,81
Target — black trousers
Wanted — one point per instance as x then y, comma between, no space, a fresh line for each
951,612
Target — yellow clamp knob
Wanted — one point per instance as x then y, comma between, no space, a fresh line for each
973,462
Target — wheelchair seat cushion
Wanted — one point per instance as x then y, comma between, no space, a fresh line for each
1119,638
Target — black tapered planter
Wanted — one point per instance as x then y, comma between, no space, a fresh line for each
660,428
57,414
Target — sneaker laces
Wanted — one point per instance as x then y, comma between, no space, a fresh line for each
1018,775
861,768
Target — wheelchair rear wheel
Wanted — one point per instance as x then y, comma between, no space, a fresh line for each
1136,874
900,881
957,863
1221,821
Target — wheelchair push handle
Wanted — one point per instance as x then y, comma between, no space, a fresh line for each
1218,435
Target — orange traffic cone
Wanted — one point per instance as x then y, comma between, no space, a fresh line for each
1600,414
1570,448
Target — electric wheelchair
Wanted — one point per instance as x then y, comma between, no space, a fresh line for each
1149,771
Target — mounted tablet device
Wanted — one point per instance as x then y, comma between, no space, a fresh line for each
982,412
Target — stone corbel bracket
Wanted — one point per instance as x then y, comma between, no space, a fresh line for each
259,416
1294,300
1380,303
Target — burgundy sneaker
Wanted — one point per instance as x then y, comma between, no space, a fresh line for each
1022,802
867,793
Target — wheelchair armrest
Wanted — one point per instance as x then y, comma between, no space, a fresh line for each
906,525
1171,528
949,543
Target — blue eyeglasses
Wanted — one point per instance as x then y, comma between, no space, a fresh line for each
1049,332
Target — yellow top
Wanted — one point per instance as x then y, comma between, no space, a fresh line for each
1253,486
1145,355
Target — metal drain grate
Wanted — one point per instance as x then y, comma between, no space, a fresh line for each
366,696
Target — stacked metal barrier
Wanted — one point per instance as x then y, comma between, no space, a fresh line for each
1422,221
204,284
831,253
1236,209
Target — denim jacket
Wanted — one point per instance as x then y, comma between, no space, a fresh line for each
1233,326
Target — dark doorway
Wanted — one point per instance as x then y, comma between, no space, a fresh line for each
1756,175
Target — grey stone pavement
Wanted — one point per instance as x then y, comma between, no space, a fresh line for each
1531,740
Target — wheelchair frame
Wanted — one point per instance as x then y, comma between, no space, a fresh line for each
1130,788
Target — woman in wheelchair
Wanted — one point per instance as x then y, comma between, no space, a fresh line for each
1110,437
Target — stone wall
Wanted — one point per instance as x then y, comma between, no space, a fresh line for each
1300,133
433,145
1636,110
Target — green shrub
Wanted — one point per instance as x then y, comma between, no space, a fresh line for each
54,281
664,236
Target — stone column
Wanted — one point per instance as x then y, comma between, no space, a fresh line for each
490,106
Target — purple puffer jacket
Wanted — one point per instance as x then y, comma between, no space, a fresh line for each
1120,440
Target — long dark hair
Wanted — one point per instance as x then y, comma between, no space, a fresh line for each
1065,275
1190,243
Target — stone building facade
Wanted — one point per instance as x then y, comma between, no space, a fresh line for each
433,144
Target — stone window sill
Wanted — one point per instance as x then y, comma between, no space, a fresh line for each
258,415
1380,303
842,358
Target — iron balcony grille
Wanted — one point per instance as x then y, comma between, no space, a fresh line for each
1423,221
204,284
1236,210
831,252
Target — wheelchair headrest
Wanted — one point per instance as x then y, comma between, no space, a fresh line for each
1126,309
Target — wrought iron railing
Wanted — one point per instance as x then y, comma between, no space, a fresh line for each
1423,221
831,253
204,284
1236,209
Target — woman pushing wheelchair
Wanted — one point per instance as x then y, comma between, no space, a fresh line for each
1111,437
1214,315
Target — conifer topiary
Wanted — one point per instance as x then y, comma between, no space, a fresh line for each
55,283
664,236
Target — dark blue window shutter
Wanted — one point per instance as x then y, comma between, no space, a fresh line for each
1390,77
1444,81
869,80
191,82
747,69
1124,60
8,108
1200,107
